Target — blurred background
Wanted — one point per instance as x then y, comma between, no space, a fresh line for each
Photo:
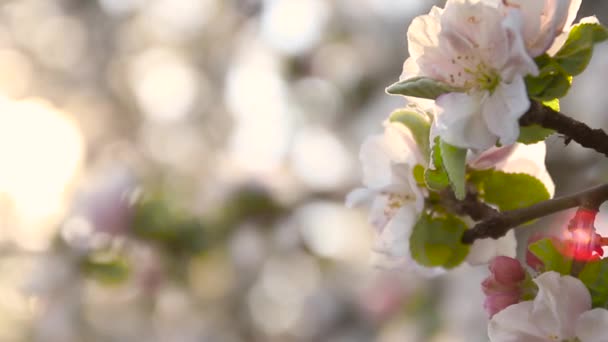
175,170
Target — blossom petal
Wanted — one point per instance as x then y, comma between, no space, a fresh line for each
592,326
484,250
394,240
504,107
558,304
459,121
513,324
392,248
359,197
379,152
529,159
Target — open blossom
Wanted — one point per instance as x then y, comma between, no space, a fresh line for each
478,48
395,199
544,20
561,311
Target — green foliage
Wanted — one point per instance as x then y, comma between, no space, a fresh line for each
595,276
422,87
551,257
155,220
535,133
418,172
454,163
575,54
509,190
552,81
435,241
110,272
450,167
418,124
436,179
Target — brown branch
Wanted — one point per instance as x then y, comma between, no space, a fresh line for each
499,224
546,117
469,206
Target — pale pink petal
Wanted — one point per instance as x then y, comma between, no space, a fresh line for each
529,159
592,326
359,196
491,157
513,325
558,304
459,121
423,32
518,62
504,107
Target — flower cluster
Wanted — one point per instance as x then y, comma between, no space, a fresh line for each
456,153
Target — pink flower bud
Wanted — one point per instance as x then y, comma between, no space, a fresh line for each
507,271
495,303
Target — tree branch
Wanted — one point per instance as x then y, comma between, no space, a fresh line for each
499,224
469,206
546,117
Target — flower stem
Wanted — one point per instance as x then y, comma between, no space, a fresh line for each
546,117
497,225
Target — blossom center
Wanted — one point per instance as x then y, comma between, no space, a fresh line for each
474,74
482,77
396,201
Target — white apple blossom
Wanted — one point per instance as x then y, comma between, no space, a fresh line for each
544,20
478,48
560,312
396,200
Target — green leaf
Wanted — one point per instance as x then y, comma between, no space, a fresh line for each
418,172
109,272
552,259
575,54
418,123
595,276
552,81
435,241
454,163
436,179
535,133
423,87
553,104
512,190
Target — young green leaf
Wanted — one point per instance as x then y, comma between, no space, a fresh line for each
533,134
435,241
551,257
418,124
436,178
552,81
595,276
512,190
109,272
423,87
576,53
454,163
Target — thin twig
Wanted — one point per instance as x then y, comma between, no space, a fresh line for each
499,224
469,206
546,117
